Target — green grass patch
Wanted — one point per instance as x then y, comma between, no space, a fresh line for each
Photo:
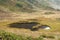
48,36
10,36
48,13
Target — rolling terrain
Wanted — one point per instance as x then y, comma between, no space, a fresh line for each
44,12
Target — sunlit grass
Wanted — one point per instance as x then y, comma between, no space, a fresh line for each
54,24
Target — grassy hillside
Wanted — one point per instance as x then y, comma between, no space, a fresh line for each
40,34
24,5
21,16
16,5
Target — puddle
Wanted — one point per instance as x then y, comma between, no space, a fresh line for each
25,25
46,27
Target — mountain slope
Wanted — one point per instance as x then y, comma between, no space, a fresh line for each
24,5
55,4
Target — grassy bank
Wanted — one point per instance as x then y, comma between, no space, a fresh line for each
54,24
10,36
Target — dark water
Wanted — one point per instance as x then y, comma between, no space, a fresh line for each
25,25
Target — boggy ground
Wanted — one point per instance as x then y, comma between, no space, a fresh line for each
52,20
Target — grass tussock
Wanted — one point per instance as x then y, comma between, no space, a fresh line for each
10,36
